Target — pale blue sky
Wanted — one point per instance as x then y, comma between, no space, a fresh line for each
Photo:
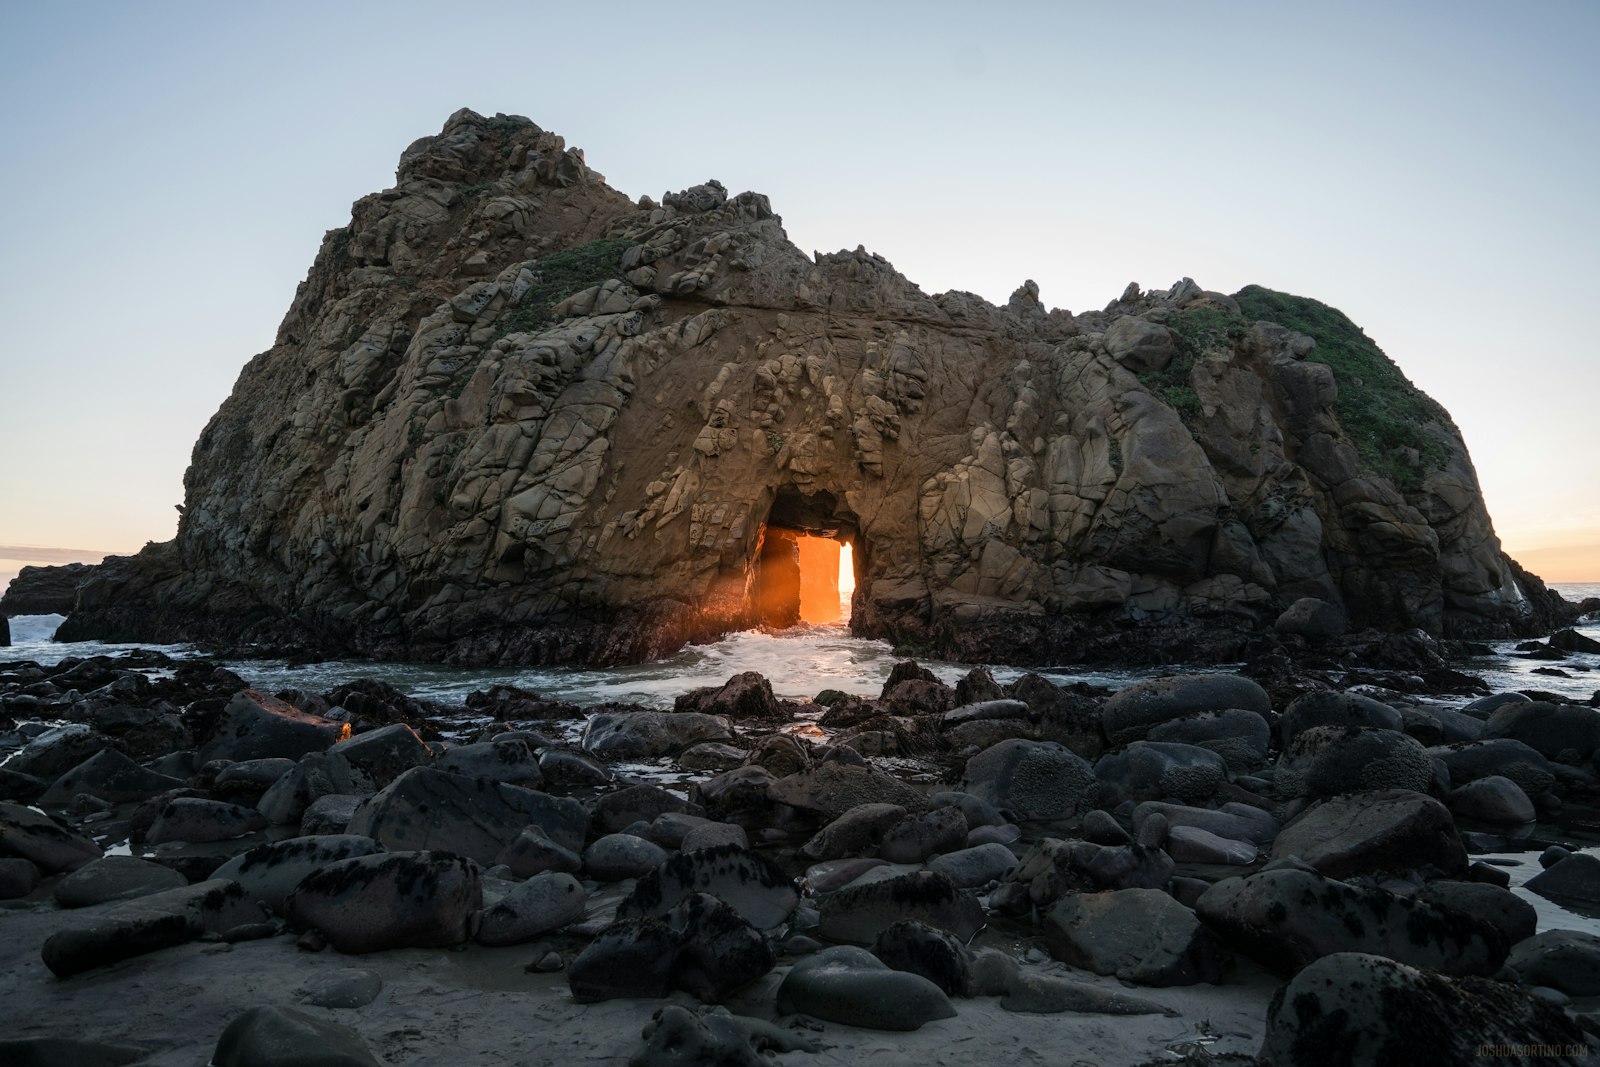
169,170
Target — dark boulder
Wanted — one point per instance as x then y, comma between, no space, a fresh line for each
270,872
1285,918
1034,780
1393,830
47,841
935,954
700,945
148,923
849,985
389,900
1142,936
1358,1008
860,913
1131,712
429,809
257,726
1553,730
286,1037
743,697
1334,709
747,881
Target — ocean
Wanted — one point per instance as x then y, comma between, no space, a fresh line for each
800,663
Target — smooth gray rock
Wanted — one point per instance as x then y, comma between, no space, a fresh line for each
618,856
532,852
389,900
1494,799
286,1037
386,753
851,986
429,809
1190,844
111,776
200,821
543,903
257,726
1568,960
1574,879
18,878
329,814
507,760
970,868
860,913
854,833
113,878
1393,830
270,872
1240,822
48,842
1133,711
644,734
1139,935
833,788
160,920
347,988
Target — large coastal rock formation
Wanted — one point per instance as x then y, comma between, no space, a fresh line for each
514,416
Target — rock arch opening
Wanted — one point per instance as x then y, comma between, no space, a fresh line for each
806,561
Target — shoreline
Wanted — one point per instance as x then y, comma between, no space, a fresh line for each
1126,829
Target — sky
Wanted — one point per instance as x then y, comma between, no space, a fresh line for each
1429,169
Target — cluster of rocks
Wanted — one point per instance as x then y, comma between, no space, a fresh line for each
1174,833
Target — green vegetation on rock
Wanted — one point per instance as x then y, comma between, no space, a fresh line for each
561,274
1194,333
1382,412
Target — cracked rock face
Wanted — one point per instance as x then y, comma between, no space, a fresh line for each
513,416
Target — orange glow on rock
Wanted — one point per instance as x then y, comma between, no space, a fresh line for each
819,580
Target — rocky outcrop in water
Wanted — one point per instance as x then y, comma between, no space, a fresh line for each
513,416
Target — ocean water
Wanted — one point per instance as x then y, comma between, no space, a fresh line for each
799,662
